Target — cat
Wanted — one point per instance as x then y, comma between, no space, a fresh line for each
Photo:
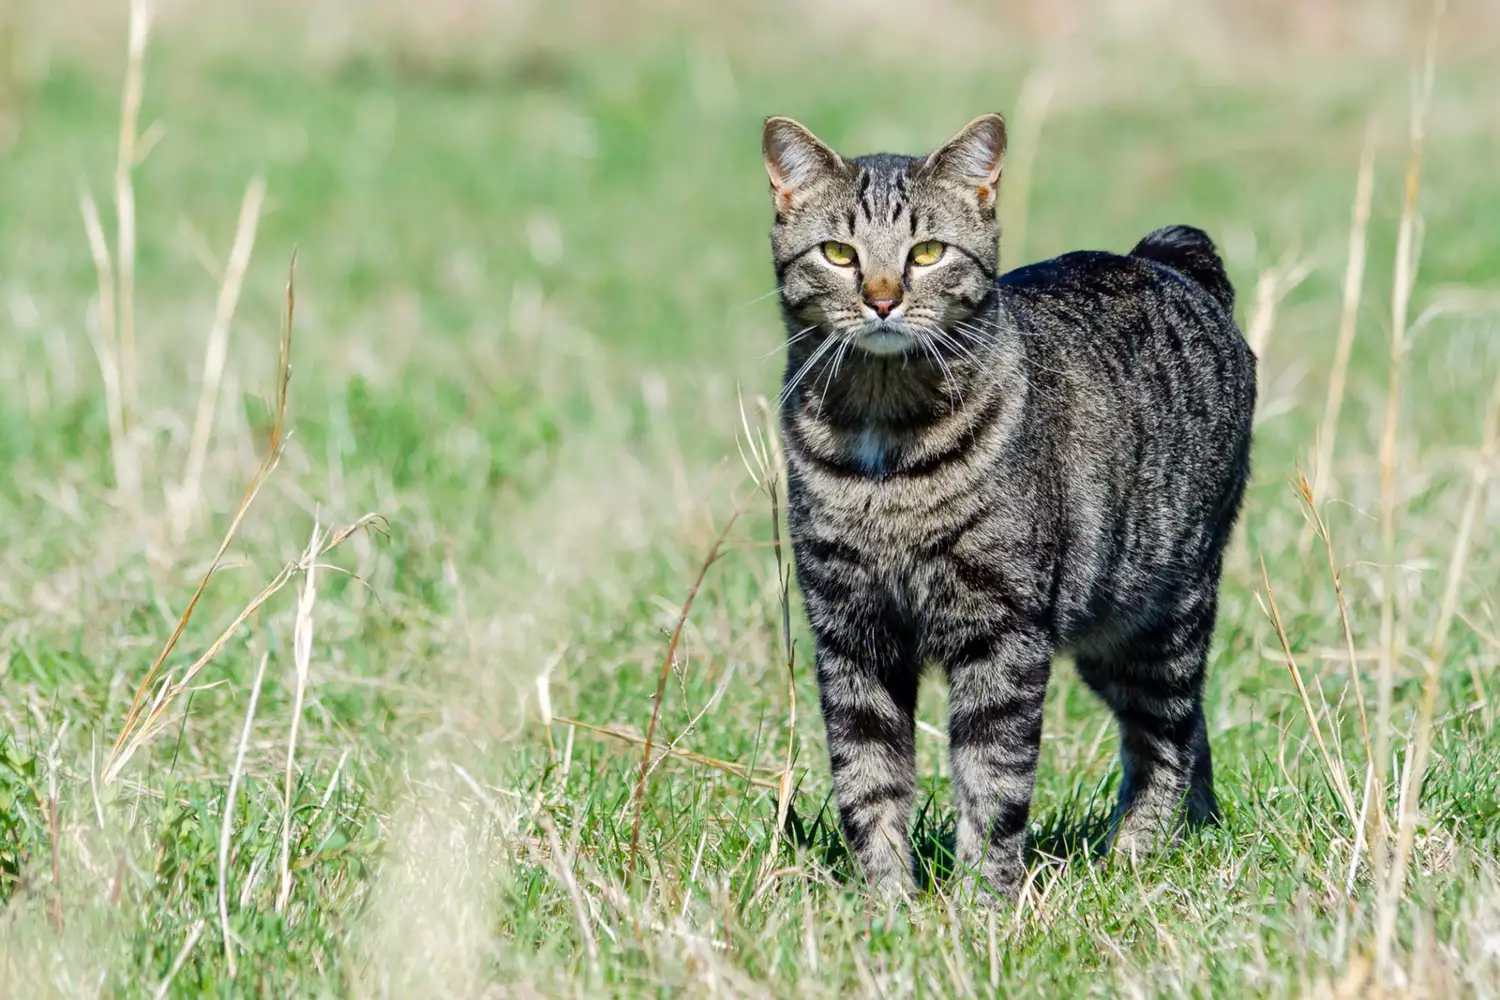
987,470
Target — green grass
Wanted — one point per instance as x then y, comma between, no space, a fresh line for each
529,293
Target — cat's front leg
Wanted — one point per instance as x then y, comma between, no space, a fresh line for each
997,683
867,683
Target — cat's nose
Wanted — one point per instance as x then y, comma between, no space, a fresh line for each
882,296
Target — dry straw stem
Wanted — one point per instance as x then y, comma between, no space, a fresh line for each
302,636
738,770
165,987
1479,479
149,722
562,867
1031,114
142,721
1338,776
54,838
130,115
764,465
1274,284
666,670
217,350
1354,278
1321,530
106,348
227,827
1417,754
130,735
1405,279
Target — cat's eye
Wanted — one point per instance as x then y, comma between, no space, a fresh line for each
927,252
838,253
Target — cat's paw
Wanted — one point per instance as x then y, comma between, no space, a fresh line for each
893,887
1134,842
997,888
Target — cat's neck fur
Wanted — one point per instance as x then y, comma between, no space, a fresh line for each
880,409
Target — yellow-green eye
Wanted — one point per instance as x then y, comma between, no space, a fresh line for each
838,253
927,252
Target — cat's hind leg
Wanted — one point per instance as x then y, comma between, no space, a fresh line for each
1154,686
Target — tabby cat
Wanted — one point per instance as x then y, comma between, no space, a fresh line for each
988,470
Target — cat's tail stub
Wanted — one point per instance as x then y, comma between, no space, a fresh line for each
1189,252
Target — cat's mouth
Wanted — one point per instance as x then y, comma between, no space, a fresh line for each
884,339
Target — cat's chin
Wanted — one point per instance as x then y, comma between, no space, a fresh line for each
885,342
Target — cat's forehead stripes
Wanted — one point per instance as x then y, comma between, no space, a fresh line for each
883,218
881,189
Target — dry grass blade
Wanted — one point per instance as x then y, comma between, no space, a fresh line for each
165,988
267,465
1354,278
125,160
302,636
1422,738
106,347
734,768
54,838
1478,482
562,867
1337,775
1325,535
150,722
217,351
1404,281
766,472
661,684
1032,105
786,787
1275,283
227,827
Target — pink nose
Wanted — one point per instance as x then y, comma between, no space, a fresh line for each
883,306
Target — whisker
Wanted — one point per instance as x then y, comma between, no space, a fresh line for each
975,335
949,385
984,339
794,381
792,339
761,298
838,359
954,345
990,325
943,338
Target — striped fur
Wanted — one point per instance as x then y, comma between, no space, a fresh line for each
1002,469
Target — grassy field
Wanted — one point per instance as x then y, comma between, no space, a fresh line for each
531,308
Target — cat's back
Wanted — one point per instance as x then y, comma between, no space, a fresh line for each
1141,394
1155,326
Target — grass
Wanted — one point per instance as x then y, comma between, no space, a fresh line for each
530,306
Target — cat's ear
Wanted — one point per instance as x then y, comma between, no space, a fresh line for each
973,157
794,157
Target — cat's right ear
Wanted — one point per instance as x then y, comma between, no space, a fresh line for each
794,158
973,158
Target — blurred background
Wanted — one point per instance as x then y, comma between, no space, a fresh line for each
532,301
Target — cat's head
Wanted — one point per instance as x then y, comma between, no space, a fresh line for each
883,250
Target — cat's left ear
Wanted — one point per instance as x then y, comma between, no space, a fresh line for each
973,158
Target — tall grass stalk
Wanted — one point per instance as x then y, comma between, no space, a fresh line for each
1354,279
1407,262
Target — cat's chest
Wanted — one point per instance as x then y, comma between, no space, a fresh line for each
885,513
872,451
